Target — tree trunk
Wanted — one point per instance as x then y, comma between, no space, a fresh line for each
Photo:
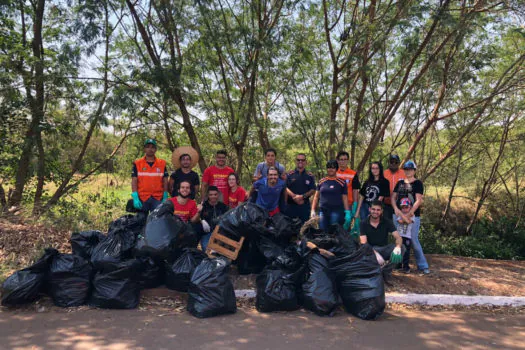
40,173
452,188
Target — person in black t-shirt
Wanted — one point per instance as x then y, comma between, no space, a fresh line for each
376,188
209,214
184,173
374,231
413,189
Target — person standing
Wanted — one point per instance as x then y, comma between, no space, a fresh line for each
269,161
393,175
331,195
184,173
412,189
300,186
271,190
351,179
209,214
149,179
217,175
236,194
376,188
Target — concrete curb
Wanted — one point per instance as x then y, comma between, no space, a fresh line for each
431,299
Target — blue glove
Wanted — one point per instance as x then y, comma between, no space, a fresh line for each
136,200
348,220
165,196
355,229
354,208
395,257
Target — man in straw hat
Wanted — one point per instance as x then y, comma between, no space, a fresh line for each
184,159
149,179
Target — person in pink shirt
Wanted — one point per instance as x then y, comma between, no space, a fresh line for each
217,175
237,194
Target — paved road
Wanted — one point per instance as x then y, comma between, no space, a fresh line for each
248,329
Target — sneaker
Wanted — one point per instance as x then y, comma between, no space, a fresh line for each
406,270
424,271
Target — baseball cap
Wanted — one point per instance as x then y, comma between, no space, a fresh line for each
405,202
409,164
150,141
394,157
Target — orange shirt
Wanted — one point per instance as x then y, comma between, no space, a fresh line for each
352,181
150,181
393,178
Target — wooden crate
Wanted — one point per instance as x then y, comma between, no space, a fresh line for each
223,245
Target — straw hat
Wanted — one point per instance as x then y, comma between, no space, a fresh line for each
175,157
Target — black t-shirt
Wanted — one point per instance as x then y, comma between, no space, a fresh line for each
377,236
372,190
211,213
178,176
409,190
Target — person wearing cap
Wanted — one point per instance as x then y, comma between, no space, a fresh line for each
269,161
300,185
351,178
413,189
331,196
405,231
271,191
209,214
393,174
184,173
375,230
217,175
149,179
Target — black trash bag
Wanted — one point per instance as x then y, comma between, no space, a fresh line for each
164,233
319,291
26,285
211,292
250,260
117,287
360,283
248,220
320,238
83,243
338,241
69,280
291,259
269,249
133,223
276,290
116,247
178,274
283,227
152,274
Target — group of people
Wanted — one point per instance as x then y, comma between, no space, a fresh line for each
387,203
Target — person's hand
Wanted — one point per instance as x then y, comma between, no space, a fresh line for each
354,209
199,207
355,229
205,226
395,257
379,258
165,196
298,199
348,220
137,204
312,214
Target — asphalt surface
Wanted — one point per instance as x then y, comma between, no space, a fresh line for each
248,329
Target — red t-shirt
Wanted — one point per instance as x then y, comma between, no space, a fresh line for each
234,198
184,211
214,176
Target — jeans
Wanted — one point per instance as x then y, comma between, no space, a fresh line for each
298,211
388,212
364,211
204,241
329,217
421,261
150,204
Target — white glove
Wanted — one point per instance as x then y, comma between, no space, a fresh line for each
397,251
312,214
205,226
379,258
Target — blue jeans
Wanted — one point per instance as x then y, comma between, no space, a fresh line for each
421,261
329,217
364,211
150,204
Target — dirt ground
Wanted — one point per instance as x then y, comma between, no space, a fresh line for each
163,324
450,274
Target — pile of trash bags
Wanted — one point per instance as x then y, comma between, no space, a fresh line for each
139,251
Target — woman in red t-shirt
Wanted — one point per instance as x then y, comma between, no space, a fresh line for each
236,194
185,208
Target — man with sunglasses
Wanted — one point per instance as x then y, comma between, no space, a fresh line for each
300,187
392,174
